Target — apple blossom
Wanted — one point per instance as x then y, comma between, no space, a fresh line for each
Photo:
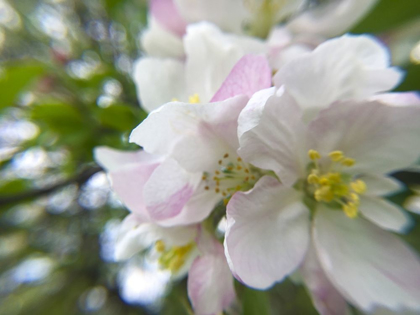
181,251
210,56
178,249
331,138
201,140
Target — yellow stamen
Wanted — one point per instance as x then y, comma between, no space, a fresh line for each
194,99
160,246
351,210
314,155
336,156
358,186
313,179
348,162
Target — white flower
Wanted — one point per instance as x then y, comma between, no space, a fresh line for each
182,250
200,142
331,145
210,56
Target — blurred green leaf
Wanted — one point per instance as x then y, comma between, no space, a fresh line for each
388,14
119,117
16,77
255,302
60,117
13,187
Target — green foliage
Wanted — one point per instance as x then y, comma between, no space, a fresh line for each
14,78
387,15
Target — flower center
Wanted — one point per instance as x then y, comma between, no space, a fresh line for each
174,258
334,185
192,99
231,176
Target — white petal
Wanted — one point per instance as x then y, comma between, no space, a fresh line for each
384,214
348,67
332,18
128,173
198,207
379,185
159,42
274,143
210,282
228,15
166,13
168,190
399,99
158,81
327,300
380,138
210,58
267,234
134,236
412,204
250,74
369,266
196,135
251,114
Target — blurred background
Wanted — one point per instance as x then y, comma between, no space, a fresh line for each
65,88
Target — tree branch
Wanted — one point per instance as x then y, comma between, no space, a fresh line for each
79,179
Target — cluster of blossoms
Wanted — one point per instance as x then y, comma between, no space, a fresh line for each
266,158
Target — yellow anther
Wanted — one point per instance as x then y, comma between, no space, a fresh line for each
194,99
160,246
239,159
348,162
355,198
226,201
226,155
174,99
340,190
324,194
334,177
176,264
358,186
336,156
314,155
351,210
313,179
324,181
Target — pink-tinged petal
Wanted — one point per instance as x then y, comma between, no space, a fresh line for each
168,190
196,135
211,55
251,114
369,266
327,300
156,41
267,233
332,18
274,143
210,282
166,13
198,207
348,67
380,138
384,214
159,81
380,185
251,74
128,173
398,99
112,159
